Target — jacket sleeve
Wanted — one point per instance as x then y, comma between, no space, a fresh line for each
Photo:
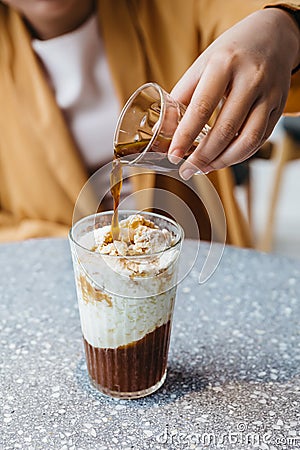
212,24
293,6
293,102
12,229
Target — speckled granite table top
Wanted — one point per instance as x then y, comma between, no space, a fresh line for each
234,365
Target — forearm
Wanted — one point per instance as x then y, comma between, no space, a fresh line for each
212,24
291,14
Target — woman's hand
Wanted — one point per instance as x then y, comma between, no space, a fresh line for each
249,68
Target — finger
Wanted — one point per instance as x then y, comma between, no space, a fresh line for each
207,95
251,138
256,129
229,122
185,87
274,118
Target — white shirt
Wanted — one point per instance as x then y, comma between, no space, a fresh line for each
79,75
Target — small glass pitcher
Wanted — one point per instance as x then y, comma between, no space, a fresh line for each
146,126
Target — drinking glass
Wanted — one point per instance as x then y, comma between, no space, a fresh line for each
126,319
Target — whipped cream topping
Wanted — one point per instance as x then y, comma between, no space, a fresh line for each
144,250
138,236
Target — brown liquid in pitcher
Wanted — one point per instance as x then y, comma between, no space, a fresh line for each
161,144
130,148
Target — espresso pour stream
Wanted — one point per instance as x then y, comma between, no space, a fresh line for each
116,181
116,178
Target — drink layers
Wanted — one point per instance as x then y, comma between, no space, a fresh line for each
129,292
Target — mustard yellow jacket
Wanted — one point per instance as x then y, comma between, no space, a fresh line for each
41,172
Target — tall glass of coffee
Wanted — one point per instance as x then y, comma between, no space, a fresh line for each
126,291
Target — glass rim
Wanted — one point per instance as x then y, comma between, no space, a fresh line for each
156,132
178,241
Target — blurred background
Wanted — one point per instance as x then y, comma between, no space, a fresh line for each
276,228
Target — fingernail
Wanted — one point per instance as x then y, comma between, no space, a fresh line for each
207,170
187,173
175,157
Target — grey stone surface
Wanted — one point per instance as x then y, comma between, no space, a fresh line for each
233,379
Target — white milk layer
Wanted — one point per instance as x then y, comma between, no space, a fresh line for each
114,321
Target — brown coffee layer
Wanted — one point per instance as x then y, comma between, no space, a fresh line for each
133,367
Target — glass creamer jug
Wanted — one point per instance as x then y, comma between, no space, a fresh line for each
146,126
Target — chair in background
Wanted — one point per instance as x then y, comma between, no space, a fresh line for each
285,151
239,232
